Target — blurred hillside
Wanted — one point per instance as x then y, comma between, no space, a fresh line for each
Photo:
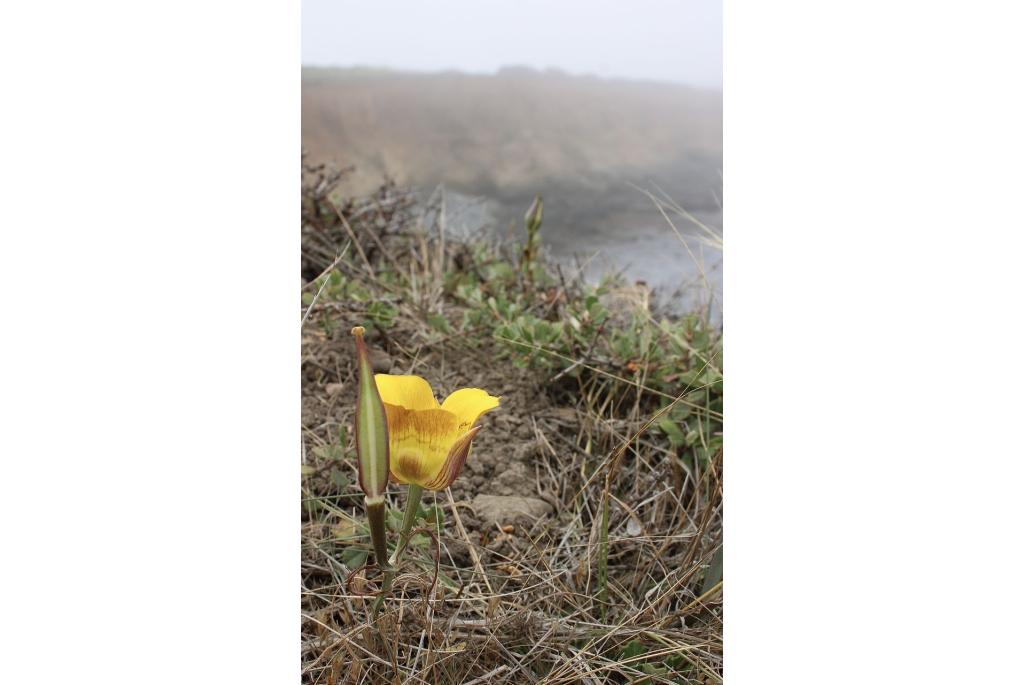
507,131
581,141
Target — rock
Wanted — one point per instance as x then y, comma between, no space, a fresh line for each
508,509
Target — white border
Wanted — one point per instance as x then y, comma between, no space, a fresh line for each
873,342
150,365
149,498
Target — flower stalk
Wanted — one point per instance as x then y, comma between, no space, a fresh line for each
376,514
533,219
411,509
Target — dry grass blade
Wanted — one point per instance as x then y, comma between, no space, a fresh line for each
323,285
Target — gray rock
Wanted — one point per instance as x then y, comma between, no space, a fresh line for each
509,509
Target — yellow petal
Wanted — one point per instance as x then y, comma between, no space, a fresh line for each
420,442
410,392
468,404
453,463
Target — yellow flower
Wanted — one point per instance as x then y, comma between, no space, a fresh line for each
429,442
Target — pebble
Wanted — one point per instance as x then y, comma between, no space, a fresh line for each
505,510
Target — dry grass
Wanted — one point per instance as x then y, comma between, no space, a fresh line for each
616,585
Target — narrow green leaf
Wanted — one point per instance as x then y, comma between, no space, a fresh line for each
714,573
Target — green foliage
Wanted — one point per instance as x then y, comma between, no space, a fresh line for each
433,517
671,429
329,452
572,332
633,648
395,519
381,314
660,668
354,557
582,339
340,479
439,323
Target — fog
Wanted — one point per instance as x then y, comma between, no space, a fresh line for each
496,102
677,41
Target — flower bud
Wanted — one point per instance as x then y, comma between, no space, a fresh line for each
535,214
372,449
371,426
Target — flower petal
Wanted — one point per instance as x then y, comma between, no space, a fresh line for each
468,404
420,442
453,464
410,392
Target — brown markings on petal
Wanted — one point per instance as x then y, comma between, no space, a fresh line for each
410,465
429,426
453,464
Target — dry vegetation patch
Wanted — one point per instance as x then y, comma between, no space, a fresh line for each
582,542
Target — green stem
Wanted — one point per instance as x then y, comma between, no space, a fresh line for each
375,512
412,507
385,588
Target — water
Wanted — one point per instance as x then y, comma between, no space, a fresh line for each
584,143
635,241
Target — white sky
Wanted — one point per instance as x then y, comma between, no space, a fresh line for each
666,40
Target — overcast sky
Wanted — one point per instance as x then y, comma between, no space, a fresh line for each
665,40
